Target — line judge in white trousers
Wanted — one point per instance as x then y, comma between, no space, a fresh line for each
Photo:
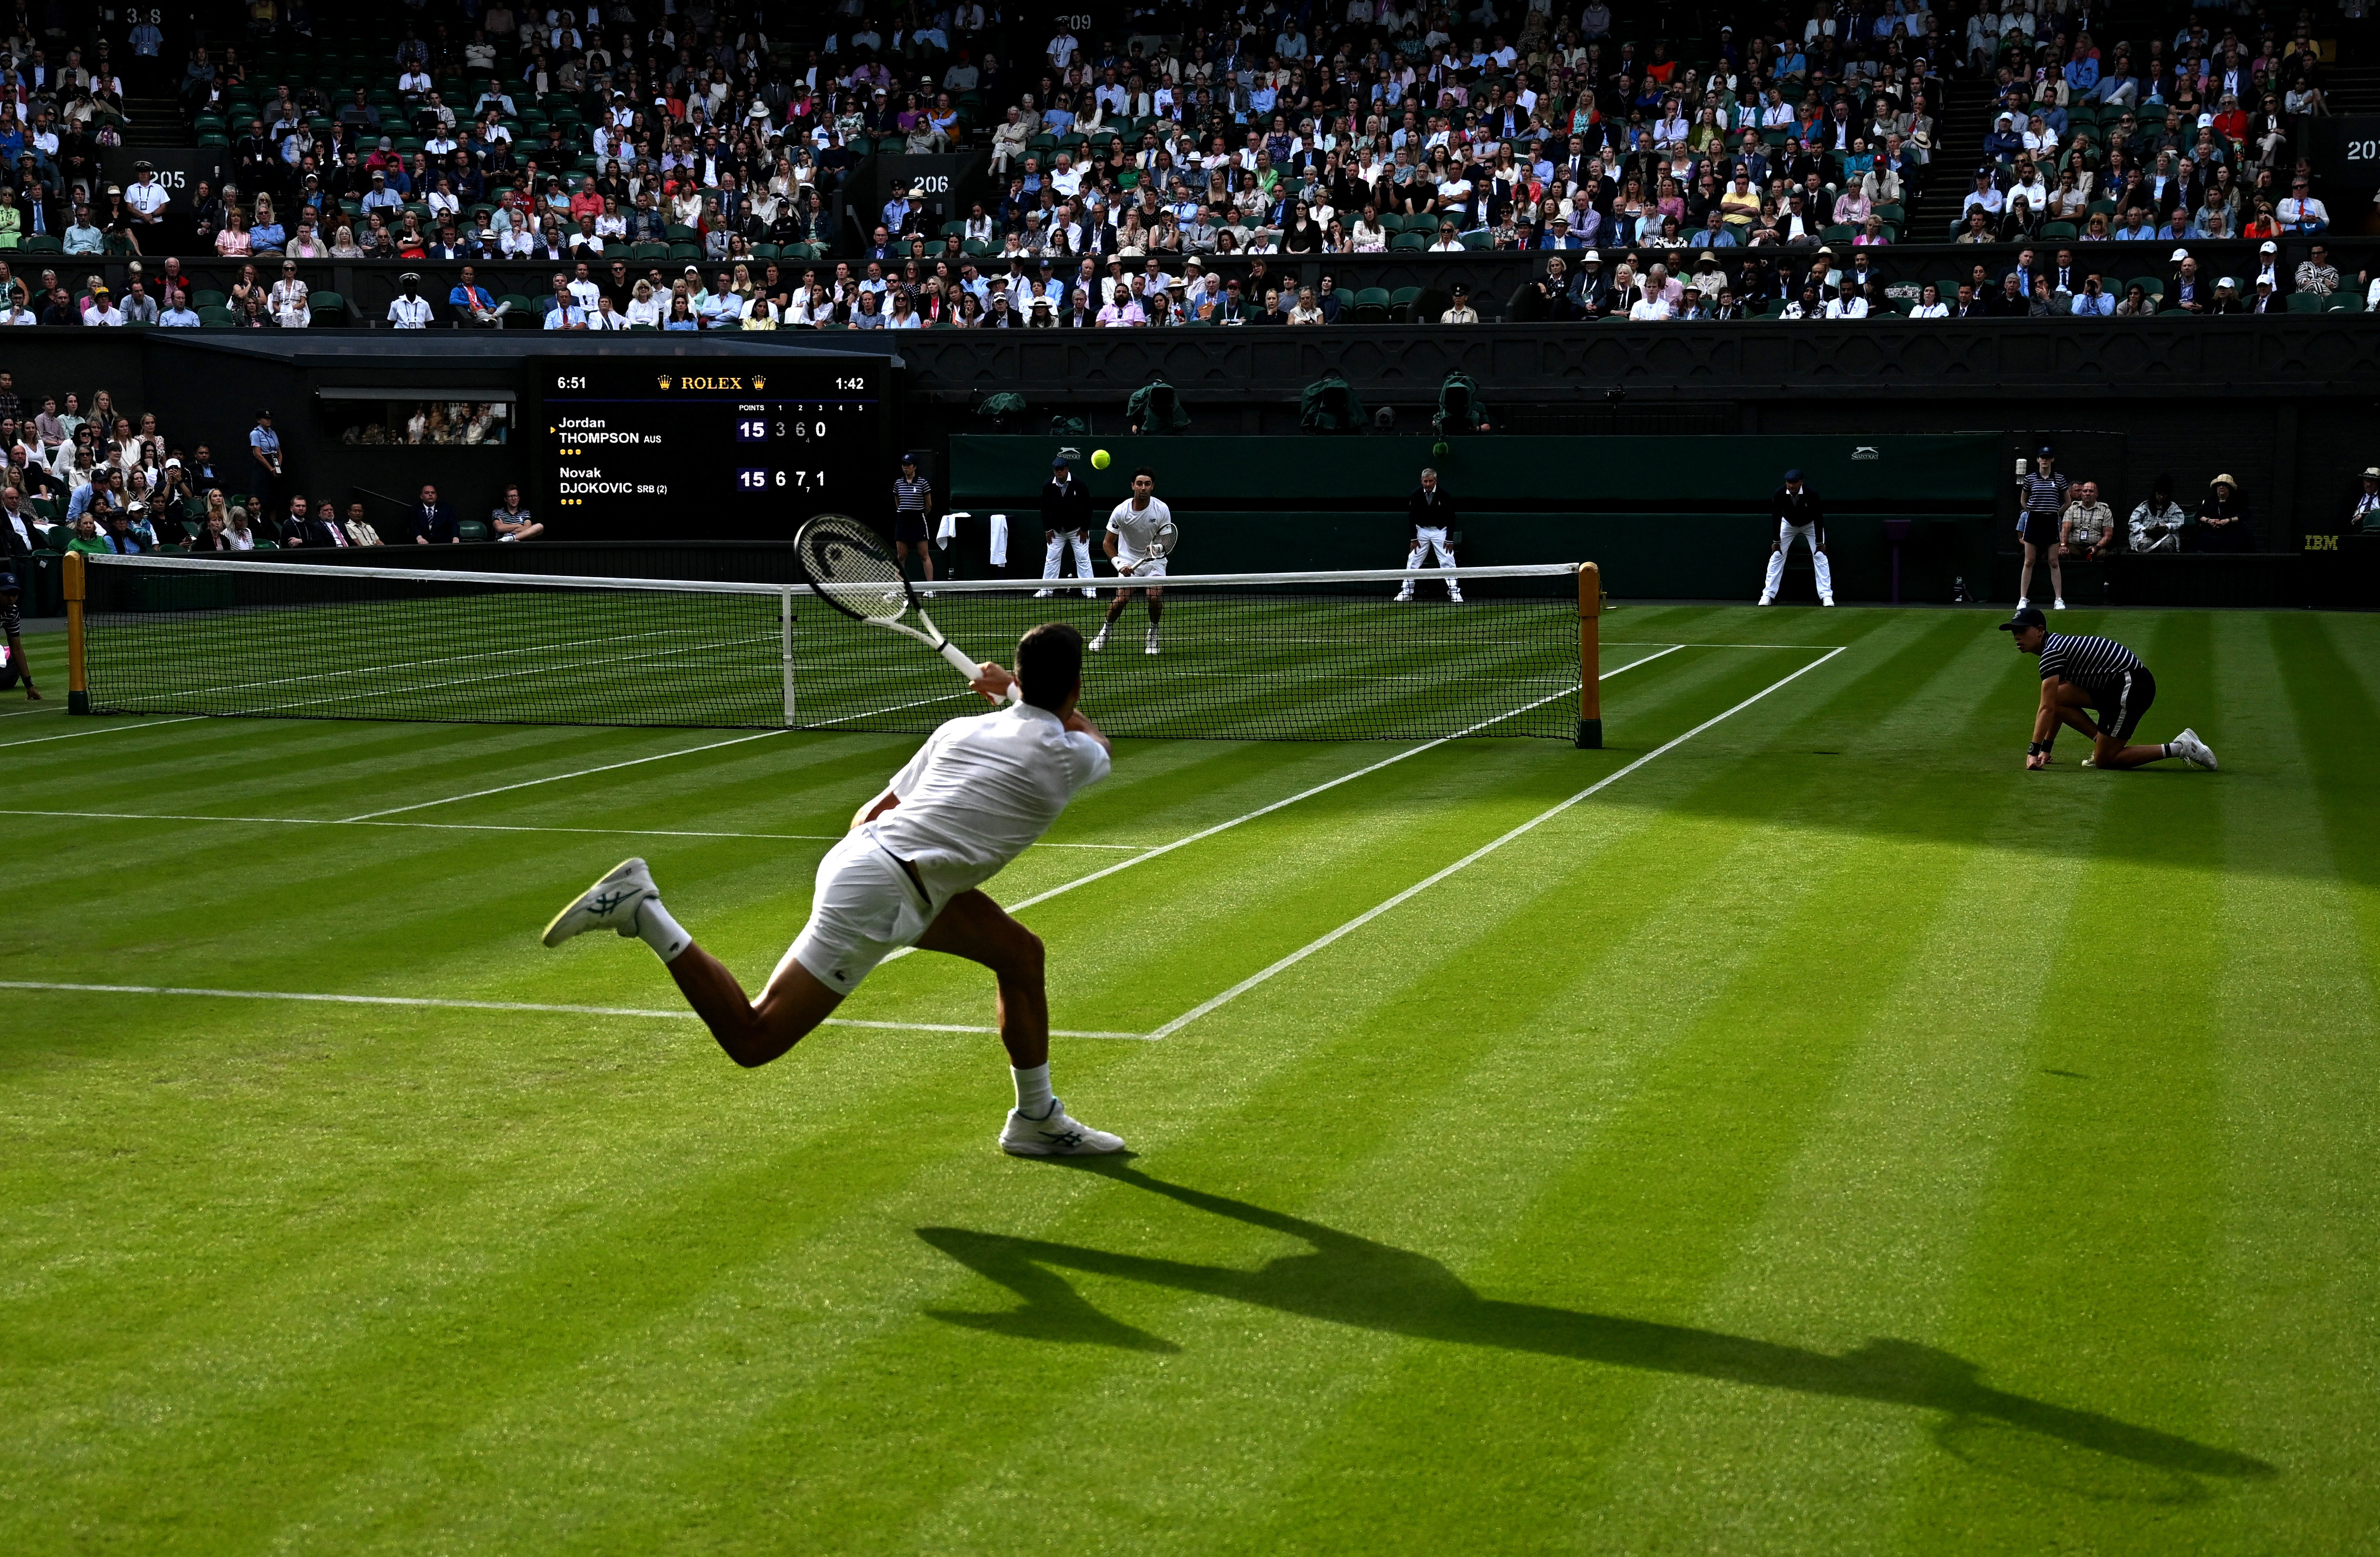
1066,520
1431,514
1799,517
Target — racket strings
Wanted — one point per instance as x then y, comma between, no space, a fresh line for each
848,564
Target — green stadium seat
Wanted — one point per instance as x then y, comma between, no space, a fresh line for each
1408,243
472,530
44,243
2058,232
215,317
202,299
2346,302
1371,306
329,308
647,254
2308,302
1401,302
686,253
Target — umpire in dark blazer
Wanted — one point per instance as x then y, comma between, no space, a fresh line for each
433,522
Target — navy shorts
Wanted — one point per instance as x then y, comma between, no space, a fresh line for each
2041,529
2120,704
909,527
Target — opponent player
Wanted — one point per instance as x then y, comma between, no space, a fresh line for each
1795,509
2078,672
1065,521
1431,513
908,873
1130,527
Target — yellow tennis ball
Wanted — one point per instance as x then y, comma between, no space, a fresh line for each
1099,460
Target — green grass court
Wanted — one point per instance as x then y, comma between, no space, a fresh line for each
1823,1136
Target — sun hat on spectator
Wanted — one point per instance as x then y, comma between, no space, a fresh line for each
1592,256
2371,473
2177,256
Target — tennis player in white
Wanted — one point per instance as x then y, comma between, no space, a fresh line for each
1130,527
909,872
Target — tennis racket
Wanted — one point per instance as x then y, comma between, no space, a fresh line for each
1160,545
848,565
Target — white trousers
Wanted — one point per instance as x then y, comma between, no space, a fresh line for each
1786,535
1427,539
1057,554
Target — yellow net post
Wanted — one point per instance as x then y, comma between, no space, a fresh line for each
1590,690
78,689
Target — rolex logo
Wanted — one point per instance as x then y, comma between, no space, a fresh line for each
760,383
665,380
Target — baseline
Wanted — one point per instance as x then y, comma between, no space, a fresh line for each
443,1005
1359,922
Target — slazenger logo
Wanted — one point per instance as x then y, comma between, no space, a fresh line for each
1865,450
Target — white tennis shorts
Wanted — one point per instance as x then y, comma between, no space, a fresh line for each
864,909
1147,568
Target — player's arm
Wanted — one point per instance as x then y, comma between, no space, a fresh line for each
871,809
1080,723
2045,719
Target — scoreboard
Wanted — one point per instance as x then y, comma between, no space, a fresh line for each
723,448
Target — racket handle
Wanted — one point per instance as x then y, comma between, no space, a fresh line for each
968,668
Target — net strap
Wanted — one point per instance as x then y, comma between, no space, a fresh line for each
723,587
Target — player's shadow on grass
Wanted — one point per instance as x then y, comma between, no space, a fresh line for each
1349,1280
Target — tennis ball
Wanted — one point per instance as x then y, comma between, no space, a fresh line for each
1440,450
1099,460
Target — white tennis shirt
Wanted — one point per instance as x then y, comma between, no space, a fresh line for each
981,791
1135,528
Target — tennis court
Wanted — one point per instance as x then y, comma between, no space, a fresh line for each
1792,1126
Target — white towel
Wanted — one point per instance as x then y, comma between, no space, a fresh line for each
1000,541
948,530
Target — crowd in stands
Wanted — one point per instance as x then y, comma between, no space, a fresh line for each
1135,177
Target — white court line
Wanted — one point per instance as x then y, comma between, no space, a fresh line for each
557,778
482,827
494,1005
1065,887
107,730
1360,921
15,713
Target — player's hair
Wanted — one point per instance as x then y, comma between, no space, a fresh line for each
1147,471
1050,664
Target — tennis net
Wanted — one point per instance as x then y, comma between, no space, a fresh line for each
1289,656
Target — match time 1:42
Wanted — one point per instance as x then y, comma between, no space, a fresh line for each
751,479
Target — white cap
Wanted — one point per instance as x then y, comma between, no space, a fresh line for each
2180,255
2269,248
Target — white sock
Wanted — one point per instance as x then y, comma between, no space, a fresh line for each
662,933
1033,1098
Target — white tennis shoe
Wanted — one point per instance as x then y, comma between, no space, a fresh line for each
2190,750
610,904
1043,594
2059,604
1098,642
1152,641
1058,1135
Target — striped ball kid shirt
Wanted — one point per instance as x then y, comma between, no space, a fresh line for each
2096,664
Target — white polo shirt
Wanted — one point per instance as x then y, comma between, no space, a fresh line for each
409,313
981,791
148,196
1135,528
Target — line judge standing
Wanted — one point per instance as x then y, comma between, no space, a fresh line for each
1066,520
1431,514
1799,517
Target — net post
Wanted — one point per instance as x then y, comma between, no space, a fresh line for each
785,639
71,567
1590,690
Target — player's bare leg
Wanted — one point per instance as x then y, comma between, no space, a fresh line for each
628,903
924,557
972,926
1115,609
752,1033
1156,612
